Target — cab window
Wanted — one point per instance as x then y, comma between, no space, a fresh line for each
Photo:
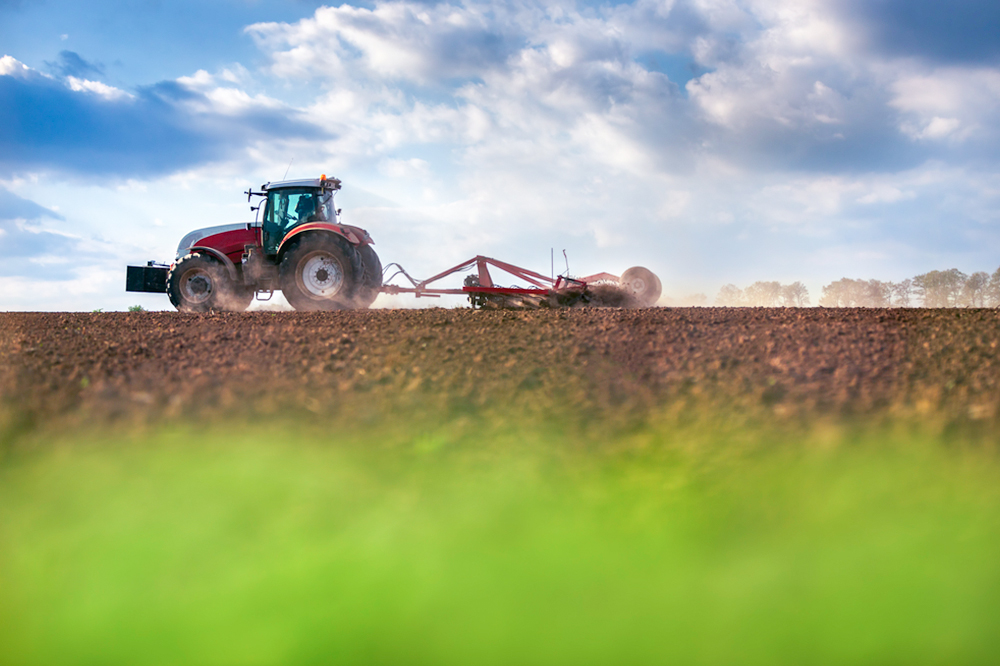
288,208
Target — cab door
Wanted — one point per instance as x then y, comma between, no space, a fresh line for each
286,209
275,221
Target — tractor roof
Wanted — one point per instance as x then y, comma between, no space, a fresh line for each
322,181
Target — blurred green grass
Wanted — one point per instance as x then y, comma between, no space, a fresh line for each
710,539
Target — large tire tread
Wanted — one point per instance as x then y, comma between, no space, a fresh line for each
200,283
371,281
293,265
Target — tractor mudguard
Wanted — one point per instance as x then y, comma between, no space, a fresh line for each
226,261
353,235
338,230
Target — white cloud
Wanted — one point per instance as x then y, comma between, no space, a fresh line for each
10,66
938,128
948,103
798,73
395,40
200,80
14,68
222,93
96,87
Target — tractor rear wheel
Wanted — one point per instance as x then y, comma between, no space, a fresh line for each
643,284
317,274
371,280
199,283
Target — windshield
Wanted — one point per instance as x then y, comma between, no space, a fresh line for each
292,206
296,205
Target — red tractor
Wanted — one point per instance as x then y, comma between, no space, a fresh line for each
298,246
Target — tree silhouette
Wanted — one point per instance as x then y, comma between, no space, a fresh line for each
901,293
795,295
993,290
975,290
935,289
763,294
940,289
767,294
730,295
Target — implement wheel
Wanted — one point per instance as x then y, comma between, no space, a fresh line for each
317,274
643,284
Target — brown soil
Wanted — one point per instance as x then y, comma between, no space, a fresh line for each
593,363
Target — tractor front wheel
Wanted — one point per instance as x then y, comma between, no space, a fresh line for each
317,274
199,283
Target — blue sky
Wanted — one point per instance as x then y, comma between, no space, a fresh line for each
713,141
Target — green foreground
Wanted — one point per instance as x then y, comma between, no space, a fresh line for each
711,542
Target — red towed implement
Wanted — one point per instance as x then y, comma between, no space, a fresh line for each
544,291
300,247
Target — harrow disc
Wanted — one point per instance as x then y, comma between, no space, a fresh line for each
643,284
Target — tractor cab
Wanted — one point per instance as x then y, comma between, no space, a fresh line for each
293,203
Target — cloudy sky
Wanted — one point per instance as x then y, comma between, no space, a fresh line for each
713,141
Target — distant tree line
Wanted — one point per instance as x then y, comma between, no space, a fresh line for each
937,289
764,294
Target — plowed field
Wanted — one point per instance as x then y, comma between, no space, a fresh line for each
593,486
598,364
